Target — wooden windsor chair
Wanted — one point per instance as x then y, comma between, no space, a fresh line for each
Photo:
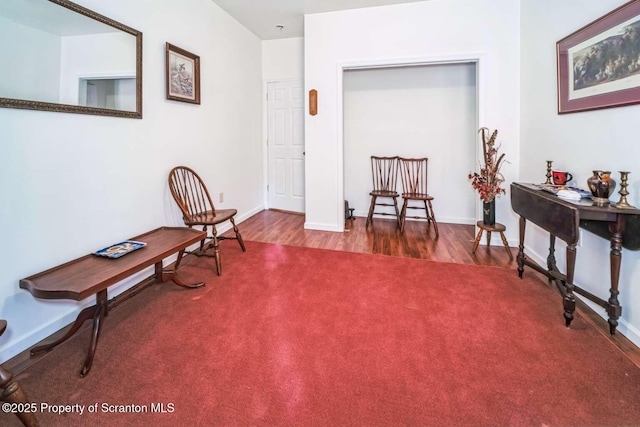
414,175
384,171
194,201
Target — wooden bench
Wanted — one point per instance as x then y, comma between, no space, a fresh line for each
92,275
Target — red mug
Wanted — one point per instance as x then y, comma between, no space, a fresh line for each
561,178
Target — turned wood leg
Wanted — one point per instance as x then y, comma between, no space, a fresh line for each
238,235
101,311
569,299
477,241
216,249
551,258
488,239
403,215
614,310
433,217
426,211
395,206
370,214
506,245
13,393
522,227
162,276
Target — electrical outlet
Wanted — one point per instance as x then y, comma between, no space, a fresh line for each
221,197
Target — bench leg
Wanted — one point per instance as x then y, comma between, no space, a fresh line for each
101,311
96,312
86,314
166,275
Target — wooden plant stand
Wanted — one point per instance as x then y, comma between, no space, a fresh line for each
498,228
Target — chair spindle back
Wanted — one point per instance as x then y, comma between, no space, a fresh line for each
189,192
414,175
384,171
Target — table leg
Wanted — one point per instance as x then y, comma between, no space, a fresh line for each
551,258
172,275
615,258
569,299
522,227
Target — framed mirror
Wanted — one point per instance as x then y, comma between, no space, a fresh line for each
59,56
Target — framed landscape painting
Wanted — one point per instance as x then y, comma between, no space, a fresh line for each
599,65
182,75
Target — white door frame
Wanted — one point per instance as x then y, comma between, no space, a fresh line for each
477,58
265,135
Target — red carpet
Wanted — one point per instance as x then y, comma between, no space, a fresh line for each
292,336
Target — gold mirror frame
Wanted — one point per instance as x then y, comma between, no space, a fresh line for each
67,108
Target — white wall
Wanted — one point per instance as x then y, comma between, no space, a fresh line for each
578,143
425,111
283,59
430,31
71,184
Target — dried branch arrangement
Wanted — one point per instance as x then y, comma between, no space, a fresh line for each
489,181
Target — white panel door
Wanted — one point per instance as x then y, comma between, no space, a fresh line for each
285,127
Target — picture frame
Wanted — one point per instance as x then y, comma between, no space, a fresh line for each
598,66
182,75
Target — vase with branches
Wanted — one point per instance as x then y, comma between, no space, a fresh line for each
488,182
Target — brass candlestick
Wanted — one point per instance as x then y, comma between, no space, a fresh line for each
622,203
548,181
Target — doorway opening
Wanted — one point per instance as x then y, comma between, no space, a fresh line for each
107,92
412,109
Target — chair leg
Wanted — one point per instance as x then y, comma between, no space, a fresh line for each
216,249
180,255
11,392
403,215
238,235
426,211
371,209
395,205
202,241
433,217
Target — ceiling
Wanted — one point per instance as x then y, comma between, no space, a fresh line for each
262,17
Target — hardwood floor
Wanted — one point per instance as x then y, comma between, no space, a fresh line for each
454,245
